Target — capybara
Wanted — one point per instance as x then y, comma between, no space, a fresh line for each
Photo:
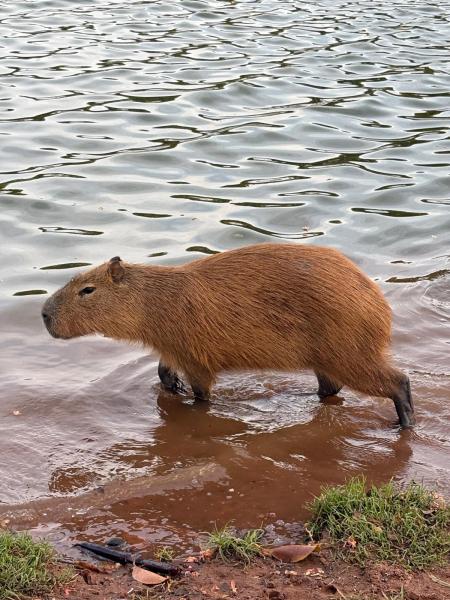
270,306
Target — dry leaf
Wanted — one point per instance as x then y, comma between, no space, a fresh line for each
16,413
4,523
233,586
351,542
191,559
147,577
292,552
438,501
208,554
314,572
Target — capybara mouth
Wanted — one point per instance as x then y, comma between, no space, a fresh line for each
58,336
54,333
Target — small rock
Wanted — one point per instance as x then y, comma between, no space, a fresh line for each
115,542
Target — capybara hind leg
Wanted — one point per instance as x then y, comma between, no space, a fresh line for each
327,387
404,404
169,379
385,381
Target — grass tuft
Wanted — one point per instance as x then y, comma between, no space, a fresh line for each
164,554
27,568
228,545
409,526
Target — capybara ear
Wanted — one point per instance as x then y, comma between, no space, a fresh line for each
115,269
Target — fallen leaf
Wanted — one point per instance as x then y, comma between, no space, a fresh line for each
314,572
16,413
4,523
233,586
351,542
438,501
87,577
147,577
191,559
106,569
208,554
292,552
291,572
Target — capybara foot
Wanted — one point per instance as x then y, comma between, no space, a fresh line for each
327,387
170,380
200,394
404,404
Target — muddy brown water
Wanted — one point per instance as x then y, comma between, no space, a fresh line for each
163,131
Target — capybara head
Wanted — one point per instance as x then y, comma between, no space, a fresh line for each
91,302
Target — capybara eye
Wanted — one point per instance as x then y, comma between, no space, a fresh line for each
86,290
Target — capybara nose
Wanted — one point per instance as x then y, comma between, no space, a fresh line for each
47,318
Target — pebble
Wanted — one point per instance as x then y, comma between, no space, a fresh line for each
115,542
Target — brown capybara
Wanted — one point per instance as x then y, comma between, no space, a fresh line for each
270,306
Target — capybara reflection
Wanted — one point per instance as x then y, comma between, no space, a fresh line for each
270,306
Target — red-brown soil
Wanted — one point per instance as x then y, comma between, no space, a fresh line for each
318,577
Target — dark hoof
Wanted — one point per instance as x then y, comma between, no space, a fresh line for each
408,422
174,387
328,393
201,396
170,380
327,387
404,406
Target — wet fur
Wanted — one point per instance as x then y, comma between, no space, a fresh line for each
270,306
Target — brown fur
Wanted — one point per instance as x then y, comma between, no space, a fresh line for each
270,306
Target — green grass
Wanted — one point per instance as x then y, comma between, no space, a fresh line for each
409,526
229,546
27,568
164,554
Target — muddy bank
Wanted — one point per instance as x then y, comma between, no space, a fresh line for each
318,577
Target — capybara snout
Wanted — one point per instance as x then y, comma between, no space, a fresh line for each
271,306
89,303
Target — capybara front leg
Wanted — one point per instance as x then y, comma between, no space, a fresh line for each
200,382
169,379
404,404
327,387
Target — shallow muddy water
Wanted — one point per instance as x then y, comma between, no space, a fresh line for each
162,131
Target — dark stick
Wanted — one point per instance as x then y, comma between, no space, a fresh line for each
127,558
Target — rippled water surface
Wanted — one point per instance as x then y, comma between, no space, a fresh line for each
163,131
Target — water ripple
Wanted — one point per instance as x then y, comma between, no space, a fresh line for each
165,131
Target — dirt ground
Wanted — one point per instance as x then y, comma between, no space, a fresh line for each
317,577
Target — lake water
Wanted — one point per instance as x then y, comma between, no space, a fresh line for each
164,131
